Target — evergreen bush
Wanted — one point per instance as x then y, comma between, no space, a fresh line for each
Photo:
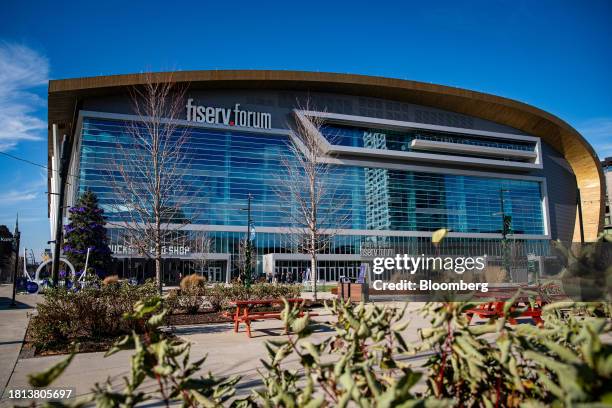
87,229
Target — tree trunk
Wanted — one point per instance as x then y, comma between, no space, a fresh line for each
158,266
313,265
158,250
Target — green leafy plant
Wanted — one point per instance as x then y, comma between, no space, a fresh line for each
563,363
357,366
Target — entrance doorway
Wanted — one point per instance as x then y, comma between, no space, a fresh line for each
214,274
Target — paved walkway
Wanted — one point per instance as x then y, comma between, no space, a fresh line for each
13,324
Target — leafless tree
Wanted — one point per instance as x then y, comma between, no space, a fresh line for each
147,175
309,191
201,248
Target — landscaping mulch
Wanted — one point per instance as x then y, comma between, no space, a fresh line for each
185,319
29,350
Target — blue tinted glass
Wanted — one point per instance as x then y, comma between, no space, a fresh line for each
395,140
226,166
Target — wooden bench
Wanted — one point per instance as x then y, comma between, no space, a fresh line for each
245,314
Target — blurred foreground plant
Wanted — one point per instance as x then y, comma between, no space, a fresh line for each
563,363
362,362
356,366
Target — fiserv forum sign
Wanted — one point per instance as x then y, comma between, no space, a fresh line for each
227,116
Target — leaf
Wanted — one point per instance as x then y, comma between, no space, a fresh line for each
157,319
202,399
315,403
281,353
482,329
300,324
311,348
438,235
119,345
43,379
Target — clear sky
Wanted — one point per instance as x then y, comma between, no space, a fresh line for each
555,55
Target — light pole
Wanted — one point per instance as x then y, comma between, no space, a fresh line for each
506,229
16,238
63,173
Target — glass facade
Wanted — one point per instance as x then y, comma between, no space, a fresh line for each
386,139
227,165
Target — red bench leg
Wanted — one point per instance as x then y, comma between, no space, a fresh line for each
247,321
236,319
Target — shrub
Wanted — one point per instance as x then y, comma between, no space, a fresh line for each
219,296
171,301
190,297
157,360
93,312
524,365
109,280
192,283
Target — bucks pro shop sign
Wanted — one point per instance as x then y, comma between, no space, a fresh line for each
227,116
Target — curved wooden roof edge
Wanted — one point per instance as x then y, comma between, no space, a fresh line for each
529,119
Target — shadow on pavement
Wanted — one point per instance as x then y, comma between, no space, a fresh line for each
201,329
5,304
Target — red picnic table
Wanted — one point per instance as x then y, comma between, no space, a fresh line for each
245,314
524,306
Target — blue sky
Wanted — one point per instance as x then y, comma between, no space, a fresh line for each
552,54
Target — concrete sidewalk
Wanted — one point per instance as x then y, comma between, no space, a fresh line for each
13,324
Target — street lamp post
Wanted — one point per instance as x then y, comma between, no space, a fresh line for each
506,229
63,174
16,238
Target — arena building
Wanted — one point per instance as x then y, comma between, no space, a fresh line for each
411,157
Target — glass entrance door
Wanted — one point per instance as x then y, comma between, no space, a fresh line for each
293,276
321,273
214,274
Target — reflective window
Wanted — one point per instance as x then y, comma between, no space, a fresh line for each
226,166
385,139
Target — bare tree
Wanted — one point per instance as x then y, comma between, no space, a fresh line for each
147,176
309,191
201,247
